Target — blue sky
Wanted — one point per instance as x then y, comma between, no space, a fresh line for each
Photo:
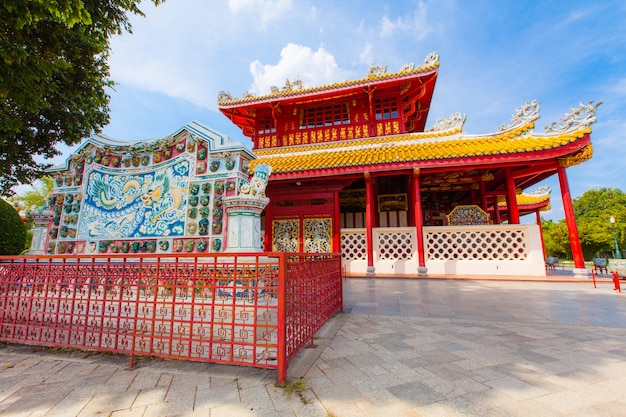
494,56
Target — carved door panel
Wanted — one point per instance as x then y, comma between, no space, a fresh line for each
315,234
318,235
285,235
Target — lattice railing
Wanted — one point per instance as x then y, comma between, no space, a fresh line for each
477,244
353,245
242,310
396,245
313,294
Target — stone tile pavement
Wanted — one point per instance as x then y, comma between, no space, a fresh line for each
403,348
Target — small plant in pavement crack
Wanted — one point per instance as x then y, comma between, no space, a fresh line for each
296,387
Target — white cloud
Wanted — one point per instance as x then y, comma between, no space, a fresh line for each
367,54
414,24
172,51
267,9
576,17
620,88
297,62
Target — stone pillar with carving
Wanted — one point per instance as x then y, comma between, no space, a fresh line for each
41,222
243,213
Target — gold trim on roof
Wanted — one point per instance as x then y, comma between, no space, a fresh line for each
538,196
380,73
445,142
407,148
577,158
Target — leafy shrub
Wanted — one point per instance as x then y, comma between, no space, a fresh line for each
12,230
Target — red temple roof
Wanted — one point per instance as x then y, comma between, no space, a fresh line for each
415,83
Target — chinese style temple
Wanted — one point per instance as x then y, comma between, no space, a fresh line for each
354,169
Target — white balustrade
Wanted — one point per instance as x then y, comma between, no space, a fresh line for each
448,250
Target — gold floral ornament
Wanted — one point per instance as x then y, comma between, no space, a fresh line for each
577,158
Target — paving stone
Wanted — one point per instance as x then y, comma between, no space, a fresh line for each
335,395
68,406
149,396
532,408
146,378
105,403
132,412
256,397
416,393
26,404
346,373
497,349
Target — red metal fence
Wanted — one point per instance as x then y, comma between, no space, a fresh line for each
244,309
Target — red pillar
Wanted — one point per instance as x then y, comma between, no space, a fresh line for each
512,209
543,245
570,218
419,222
369,221
496,210
483,196
337,223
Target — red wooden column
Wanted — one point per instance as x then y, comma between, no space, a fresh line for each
543,245
512,208
496,210
570,218
337,223
369,222
419,223
483,195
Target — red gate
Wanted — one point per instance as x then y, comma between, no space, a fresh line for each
243,309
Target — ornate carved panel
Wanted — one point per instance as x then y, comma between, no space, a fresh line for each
318,235
285,235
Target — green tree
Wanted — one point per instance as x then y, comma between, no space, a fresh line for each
593,210
556,239
12,230
31,200
35,198
53,77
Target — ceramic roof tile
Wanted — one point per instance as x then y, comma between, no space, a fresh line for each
410,147
448,142
538,198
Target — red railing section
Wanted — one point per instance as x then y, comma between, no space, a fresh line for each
247,309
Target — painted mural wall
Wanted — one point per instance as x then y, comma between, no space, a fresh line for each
164,196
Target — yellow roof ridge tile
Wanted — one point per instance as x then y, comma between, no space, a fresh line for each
368,152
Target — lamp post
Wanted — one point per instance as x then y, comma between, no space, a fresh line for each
618,255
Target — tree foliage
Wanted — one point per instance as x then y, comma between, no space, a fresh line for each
593,211
53,77
35,198
556,239
12,230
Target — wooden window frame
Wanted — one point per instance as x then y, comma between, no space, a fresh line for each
324,116
266,125
386,108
